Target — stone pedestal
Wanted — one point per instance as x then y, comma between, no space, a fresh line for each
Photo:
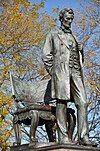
52,147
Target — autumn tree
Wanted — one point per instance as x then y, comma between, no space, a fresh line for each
23,29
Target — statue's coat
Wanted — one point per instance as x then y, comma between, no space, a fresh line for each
56,54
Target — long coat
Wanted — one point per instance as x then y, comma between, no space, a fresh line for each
56,54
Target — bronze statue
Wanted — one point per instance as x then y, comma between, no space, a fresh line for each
63,59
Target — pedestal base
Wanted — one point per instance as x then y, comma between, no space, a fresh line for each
52,147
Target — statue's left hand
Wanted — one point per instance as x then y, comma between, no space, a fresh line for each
80,46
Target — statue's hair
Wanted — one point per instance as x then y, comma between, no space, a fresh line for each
62,12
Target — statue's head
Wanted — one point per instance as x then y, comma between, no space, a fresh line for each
66,17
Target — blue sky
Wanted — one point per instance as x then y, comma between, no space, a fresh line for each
58,3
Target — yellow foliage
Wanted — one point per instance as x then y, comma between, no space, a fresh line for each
86,38
55,10
92,24
22,26
5,133
42,71
4,100
17,57
24,2
4,113
37,6
82,23
5,70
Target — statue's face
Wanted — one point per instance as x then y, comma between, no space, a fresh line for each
67,20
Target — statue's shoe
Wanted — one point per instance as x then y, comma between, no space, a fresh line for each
85,141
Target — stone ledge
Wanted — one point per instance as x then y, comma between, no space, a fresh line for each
52,147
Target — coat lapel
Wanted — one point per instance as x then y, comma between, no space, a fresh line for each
63,38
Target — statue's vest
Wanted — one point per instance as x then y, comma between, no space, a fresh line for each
74,55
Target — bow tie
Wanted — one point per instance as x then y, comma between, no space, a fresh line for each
65,30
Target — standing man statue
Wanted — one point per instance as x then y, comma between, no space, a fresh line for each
63,58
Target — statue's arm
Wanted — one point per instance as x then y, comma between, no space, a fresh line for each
48,54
